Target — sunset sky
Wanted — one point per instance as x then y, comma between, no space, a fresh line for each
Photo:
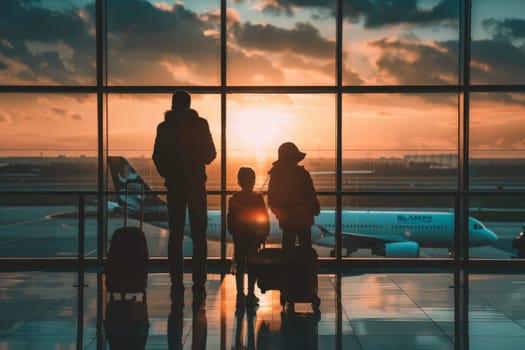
270,42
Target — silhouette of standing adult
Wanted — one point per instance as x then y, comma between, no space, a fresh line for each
292,197
183,147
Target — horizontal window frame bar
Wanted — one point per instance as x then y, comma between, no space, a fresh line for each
274,89
159,264
450,193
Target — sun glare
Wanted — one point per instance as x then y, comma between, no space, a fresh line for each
258,130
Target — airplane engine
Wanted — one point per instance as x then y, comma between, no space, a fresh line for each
398,250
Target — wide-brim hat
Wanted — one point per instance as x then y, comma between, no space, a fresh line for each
288,151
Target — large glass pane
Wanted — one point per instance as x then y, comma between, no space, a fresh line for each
394,226
39,309
258,124
496,161
47,42
398,310
49,141
400,142
132,126
281,43
163,43
498,42
43,225
497,144
496,311
400,42
502,214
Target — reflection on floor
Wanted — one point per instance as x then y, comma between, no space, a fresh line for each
40,310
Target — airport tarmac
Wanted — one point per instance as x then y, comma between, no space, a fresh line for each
33,231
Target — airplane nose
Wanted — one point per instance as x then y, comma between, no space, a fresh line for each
482,237
491,237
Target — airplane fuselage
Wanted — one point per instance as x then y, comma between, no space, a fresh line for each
428,229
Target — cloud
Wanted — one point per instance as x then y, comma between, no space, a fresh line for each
45,45
58,46
241,70
64,113
411,62
507,29
303,39
376,13
497,61
5,119
258,100
141,36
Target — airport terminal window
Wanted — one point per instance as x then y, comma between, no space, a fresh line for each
274,45
132,124
258,124
49,141
408,43
154,43
386,135
77,93
400,142
497,42
47,43
497,150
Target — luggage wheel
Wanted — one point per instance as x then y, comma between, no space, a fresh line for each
282,300
316,301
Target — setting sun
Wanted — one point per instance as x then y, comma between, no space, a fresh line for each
258,130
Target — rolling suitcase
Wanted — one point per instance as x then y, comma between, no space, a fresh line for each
293,272
127,262
267,267
299,284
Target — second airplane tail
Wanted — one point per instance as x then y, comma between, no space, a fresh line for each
121,172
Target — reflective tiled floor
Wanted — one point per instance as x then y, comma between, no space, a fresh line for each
41,310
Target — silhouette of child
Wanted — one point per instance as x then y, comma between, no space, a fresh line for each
292,196
249,224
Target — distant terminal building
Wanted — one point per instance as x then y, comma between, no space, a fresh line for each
450,161
435,161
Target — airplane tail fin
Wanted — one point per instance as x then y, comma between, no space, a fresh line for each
121,172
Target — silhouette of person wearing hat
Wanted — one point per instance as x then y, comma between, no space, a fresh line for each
292,197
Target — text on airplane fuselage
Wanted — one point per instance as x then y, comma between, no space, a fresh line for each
414,218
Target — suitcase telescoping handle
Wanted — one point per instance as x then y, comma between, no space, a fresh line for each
136,181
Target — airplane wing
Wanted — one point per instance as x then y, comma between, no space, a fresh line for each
381,244
379,237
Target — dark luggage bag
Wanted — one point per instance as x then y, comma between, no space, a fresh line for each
300,282
293,272
267,267
127,262
127,324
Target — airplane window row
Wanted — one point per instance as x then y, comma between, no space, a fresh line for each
421,227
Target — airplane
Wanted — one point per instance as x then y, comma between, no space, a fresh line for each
393,234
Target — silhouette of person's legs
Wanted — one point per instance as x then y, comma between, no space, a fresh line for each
198,215
176,219
239,275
